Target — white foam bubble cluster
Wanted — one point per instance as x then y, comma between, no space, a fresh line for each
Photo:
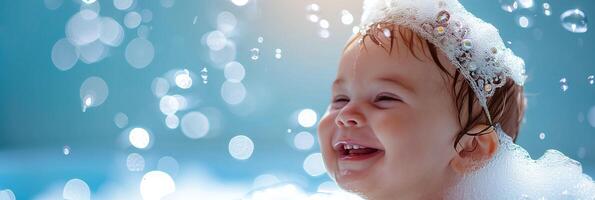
513,174
293,192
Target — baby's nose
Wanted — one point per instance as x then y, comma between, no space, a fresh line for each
350,120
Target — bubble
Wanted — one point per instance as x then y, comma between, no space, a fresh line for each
139,53
204,74
260,39
226,22
172,121
239,2
526,3
81,30
574,20
167,3
121,120
255,53
591,116
112,33
546,9
303,140
143,31
160,87
92,52
542,136
132,19
91,10
123,4
307,118
156,184
288,130
324,33
313,18
524,21
7,195
64,54
563,84
168,165
278,53
139,138
508,5
355,29
88,1
76,189
323,23
225,55
241,147
233,93
234,72
346,17
169,105
195,125
313,165
591,79
135,162
216,40
313,8
53,4
66,150
93,92
265,180
183,79
147,15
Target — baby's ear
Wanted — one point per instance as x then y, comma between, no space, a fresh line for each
474,151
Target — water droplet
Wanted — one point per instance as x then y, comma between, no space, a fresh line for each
195,125
239,2
241,147
313,165
278,53
121,120
526,3
93,92
76,189
260,39
139,138
139,53
307,118
156,185
467,44
563,84
323,23
204,74
123,4
303,140
546,9
313,18
255,53
590,79
542,136
132,20
135,162
66,150
64,55
574,20
387,33
524,21
183,79
346,17
172,121
508,5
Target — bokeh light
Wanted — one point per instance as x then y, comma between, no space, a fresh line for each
313,165
195,125
76,189
307,118
139,138
156,185
241,147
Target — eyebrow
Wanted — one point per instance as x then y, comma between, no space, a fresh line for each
390,80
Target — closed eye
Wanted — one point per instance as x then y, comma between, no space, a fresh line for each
386,100
339,101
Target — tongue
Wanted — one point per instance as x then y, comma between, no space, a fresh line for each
362,151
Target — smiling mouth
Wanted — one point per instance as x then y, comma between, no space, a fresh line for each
355,152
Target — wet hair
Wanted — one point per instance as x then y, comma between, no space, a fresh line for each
506,105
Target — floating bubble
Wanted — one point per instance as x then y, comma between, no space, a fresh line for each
241,147
313,165
169,105
574,20
147,15
313,18
172,121
233,93
112,33
76,189
216,40
591,79
307,118
526,3
168,165
156,184
288,130
143,31
303,140
546,9
160,87
88,1
260,39
66,150
132,19
93,10
524,21
323,23
324,33
591,116
239,2
508,5
167,3
121,120
204,74
183,79
195,125
135,162
93,92
265,180
563,84
255,53
92,52
278,53
182,102
64,54
123,4
542,136
226,22
139,138
53,4
139,53
81,30
346,17
313,8
234,72
355,29
225,55
7,195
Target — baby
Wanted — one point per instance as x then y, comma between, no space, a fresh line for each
420,97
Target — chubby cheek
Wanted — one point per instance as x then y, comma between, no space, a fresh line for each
326,128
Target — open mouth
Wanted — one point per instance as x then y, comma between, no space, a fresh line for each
350,151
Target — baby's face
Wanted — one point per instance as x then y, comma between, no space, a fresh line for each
391,125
